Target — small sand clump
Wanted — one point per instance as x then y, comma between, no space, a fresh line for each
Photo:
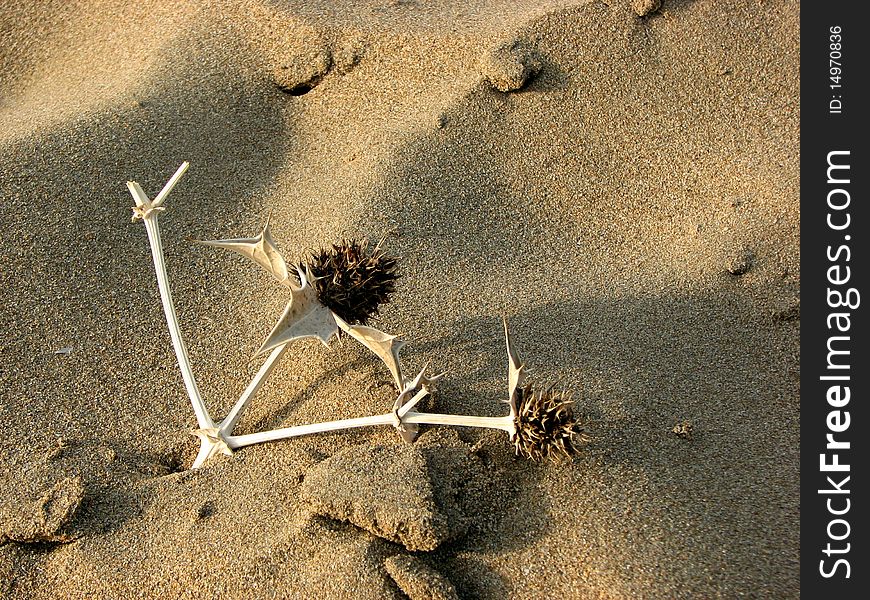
509,68
418,580
645,7
741,262
390,491
299,73
47,519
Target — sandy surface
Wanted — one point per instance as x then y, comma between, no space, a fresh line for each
632,208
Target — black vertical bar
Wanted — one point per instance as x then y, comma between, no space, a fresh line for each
834,228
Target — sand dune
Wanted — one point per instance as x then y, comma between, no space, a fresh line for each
630,203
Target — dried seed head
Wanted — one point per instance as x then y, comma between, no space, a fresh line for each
546,427
352,280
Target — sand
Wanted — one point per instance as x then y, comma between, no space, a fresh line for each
623,188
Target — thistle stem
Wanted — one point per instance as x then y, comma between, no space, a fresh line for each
149,217
239,441
229,423
161,196
505,424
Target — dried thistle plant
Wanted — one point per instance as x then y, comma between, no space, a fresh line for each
339,290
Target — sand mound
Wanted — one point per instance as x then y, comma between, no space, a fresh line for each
509,68
46,519
418,580
393,492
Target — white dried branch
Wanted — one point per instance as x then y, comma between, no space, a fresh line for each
148,211
516,374
229,423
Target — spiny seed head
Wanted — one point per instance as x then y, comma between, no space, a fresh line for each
353,280
546,427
